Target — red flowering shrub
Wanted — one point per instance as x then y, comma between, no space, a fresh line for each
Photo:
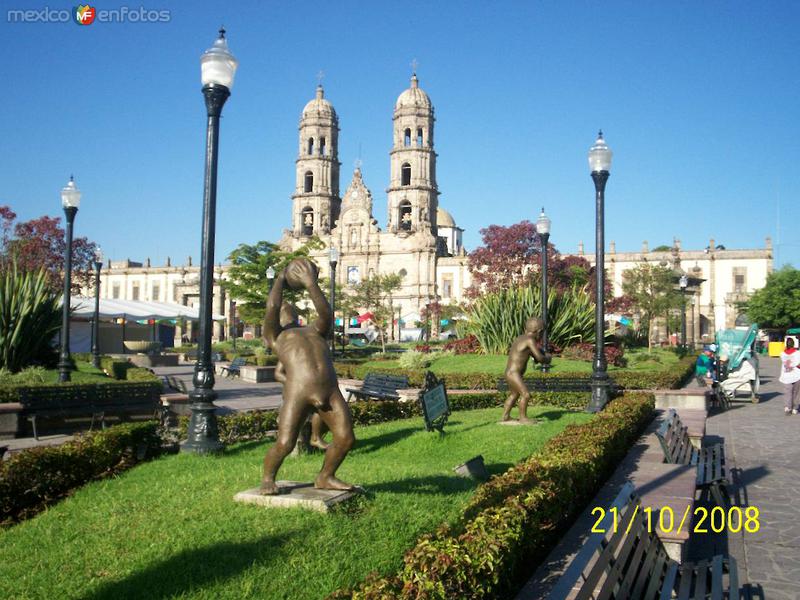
466,345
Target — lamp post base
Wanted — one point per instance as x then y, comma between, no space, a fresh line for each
203,435
601,393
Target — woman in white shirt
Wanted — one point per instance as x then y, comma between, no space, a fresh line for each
790,376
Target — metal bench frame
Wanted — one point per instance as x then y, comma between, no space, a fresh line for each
630,562
379,386
234,368
88,400
673,436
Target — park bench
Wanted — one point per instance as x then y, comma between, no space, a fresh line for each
95,401
234,368
625,559
709,461
379,387
558,384
179,385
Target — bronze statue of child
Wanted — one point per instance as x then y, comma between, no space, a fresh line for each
309,379
521,350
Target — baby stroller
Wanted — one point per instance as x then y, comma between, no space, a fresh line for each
736,349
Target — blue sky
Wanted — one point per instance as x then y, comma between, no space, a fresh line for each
698,101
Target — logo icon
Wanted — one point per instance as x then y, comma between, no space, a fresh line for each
84,14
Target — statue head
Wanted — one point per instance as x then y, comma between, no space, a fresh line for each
289,316
534,325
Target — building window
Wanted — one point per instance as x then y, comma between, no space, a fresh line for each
115,291
405,215
310,146
419,137
322,144
739,280
407,138
309,182
447,286
405,174
308,220
155,292
135,291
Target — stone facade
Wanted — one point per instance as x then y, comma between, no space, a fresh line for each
421,241
721,279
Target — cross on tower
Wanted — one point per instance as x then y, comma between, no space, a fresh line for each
320,76
414,65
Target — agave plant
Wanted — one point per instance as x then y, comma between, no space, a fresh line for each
497,318
30,315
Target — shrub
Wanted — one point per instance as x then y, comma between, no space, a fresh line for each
28,376
33,479
114,367
498,318
140,374
465,345
513,520
239,427
424,348
414,360
584,351
30,315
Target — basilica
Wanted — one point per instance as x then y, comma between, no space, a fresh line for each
421,241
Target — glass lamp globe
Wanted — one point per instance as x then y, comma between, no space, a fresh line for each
98,255
270,273
70,195
600,155
684,282
543,223
218,65
334,255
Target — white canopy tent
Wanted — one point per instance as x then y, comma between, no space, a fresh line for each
127,320
134,310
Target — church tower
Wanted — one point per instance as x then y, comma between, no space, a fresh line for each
413,194
316,201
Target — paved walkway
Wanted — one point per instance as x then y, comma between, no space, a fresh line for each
233,394
763,452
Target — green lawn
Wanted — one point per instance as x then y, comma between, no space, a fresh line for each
495,364
85,373
169,529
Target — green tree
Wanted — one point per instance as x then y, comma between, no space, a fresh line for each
248,282
651,289
375,295
777,304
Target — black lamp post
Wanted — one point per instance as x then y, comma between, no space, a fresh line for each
70,201
600,164
543,228
98,264
684,283
233,323
217,67
333,258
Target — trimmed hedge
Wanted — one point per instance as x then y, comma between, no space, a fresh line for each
10,393
672,378
33,479
259,424
514,519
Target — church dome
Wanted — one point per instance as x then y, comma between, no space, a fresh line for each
413,97
319,107
444,218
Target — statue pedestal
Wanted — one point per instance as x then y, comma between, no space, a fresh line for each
296,494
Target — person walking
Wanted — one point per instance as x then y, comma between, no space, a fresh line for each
790,376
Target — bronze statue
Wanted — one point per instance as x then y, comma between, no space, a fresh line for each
521,350
309,379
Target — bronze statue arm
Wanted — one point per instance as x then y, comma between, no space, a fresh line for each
540,356
272,318
325,316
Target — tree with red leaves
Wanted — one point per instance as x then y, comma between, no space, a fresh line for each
511,256
41,243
